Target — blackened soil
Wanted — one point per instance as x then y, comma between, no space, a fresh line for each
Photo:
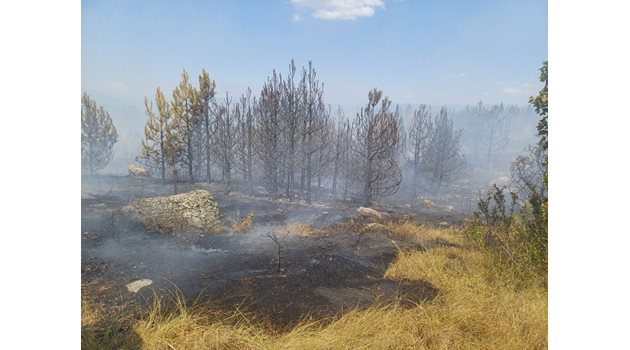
324,272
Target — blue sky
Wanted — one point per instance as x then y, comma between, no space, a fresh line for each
423,51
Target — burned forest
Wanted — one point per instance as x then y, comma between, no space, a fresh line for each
287,214
276,206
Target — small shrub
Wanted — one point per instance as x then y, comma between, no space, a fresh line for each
243,225
515,233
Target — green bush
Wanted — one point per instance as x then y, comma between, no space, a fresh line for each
514,233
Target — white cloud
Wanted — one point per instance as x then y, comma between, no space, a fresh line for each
338,10
297,17
519,89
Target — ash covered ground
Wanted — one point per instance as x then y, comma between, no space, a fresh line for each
329,263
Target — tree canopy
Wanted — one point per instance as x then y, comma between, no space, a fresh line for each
98,136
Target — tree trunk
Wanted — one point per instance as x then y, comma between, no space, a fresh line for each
174,181
334,185
208,173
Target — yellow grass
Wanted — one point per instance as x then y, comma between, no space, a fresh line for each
245,224
407,228
476,308
89,313
473,309
302,229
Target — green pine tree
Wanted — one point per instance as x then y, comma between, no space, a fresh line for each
98,136
155,132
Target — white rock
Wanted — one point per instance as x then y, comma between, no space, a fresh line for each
369,212
135,286
427,203
449,208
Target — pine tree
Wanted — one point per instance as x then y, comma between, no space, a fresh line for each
185,105
155,133
98,136
444,158
375,149
208,124
420,135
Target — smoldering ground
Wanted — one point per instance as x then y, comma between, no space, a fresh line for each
327,263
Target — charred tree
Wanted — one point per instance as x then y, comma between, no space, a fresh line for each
312,122
340,150
269,148
290,111
227,140
246,132
374,149
444,158
420,134
206,109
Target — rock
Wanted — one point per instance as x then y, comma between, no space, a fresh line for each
195,211
135,286
137,171
98,206
449,208
262,191
369,212
427,203
501,182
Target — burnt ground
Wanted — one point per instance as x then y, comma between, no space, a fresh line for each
332,267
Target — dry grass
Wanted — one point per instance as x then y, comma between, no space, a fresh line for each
243,225
476,308
101,332
302,229
196,328
89,313
380,327
449,236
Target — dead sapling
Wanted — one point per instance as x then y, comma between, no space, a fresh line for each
113,227
277,239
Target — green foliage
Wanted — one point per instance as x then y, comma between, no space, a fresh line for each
186,119
98,136
158,132
517,233
518,237
494,209
540,104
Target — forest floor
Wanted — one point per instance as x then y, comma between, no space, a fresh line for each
331,260
406,280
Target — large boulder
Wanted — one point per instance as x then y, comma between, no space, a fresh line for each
137,171
192,211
